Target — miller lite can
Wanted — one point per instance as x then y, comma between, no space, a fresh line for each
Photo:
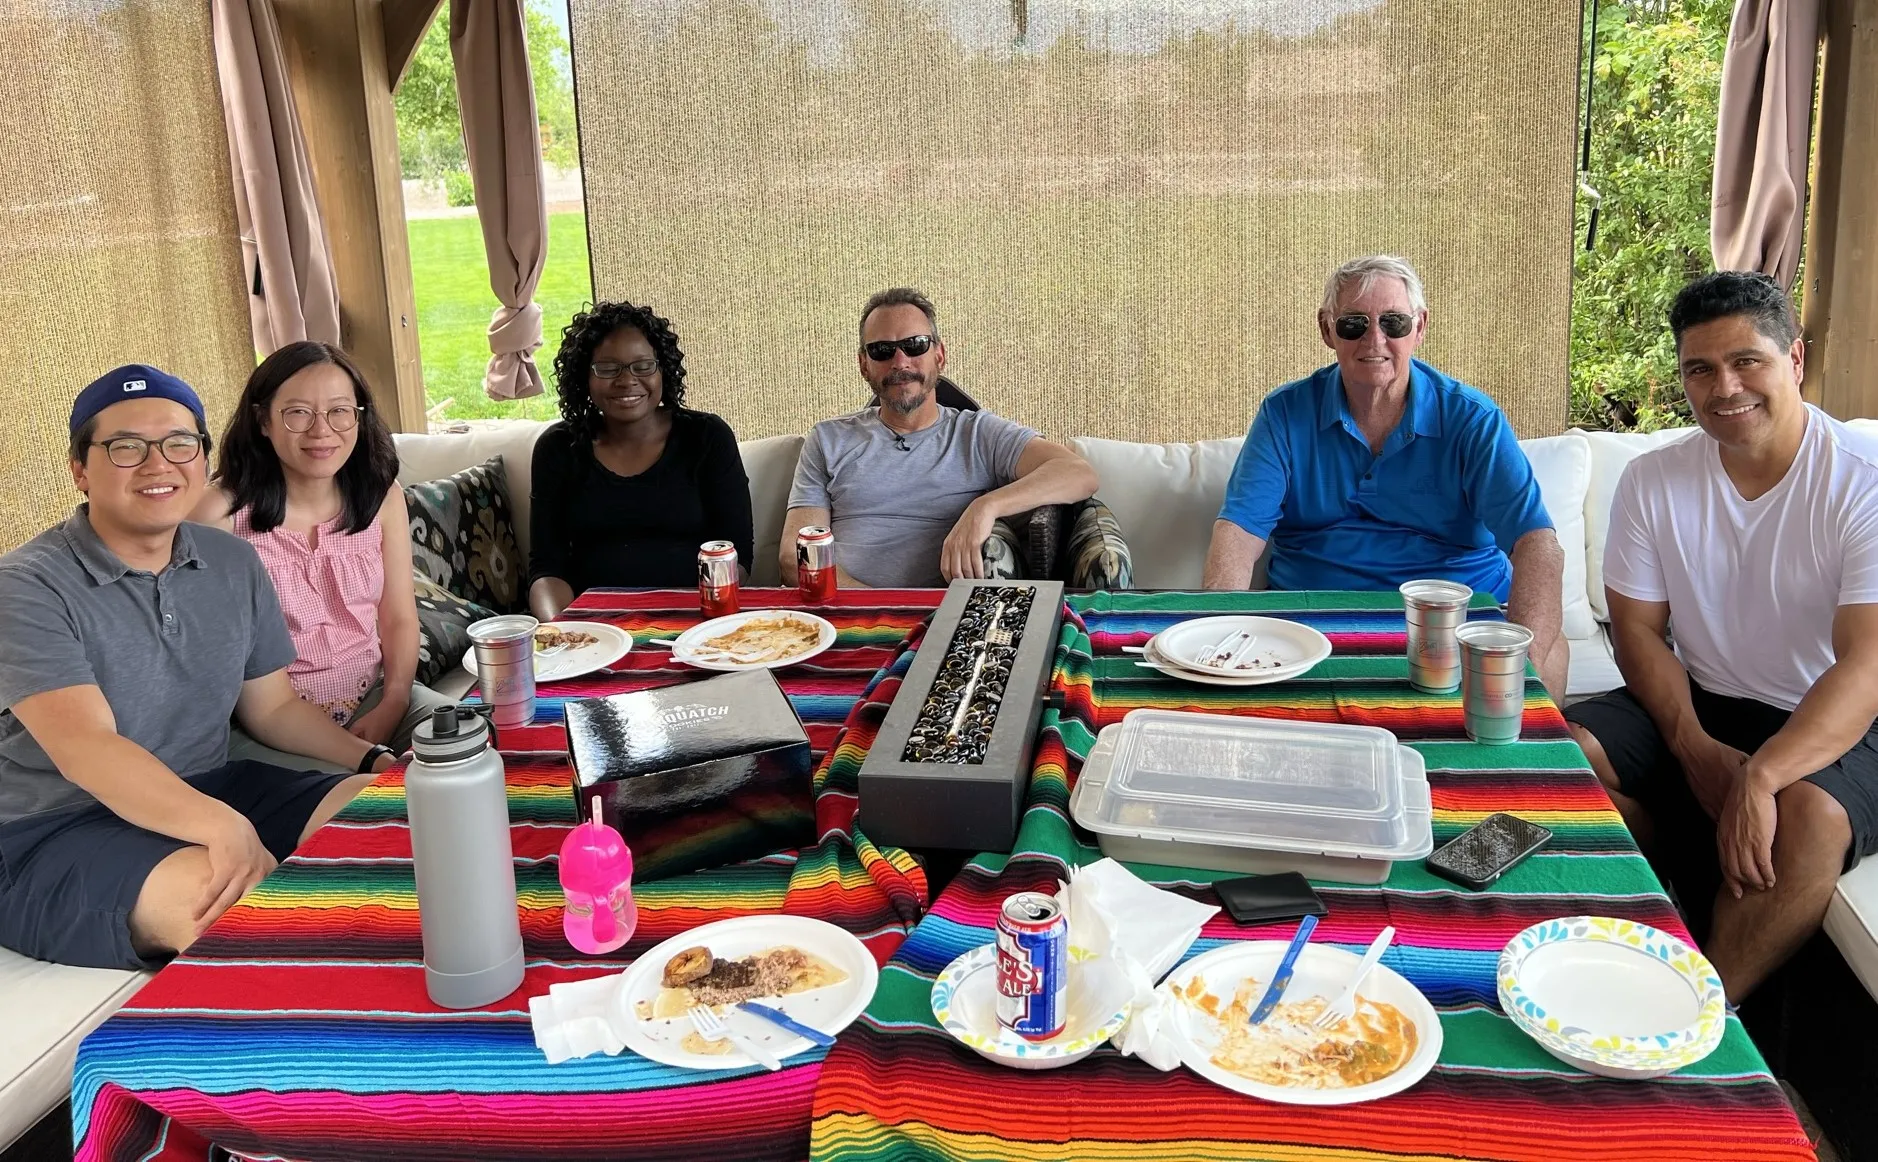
1033,966
717,578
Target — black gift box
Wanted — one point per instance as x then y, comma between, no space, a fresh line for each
697,774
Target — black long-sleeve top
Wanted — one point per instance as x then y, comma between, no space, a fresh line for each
592,527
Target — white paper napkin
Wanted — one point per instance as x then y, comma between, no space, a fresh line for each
1116,915
577,1019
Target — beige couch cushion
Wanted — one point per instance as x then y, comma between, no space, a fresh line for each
1611,452
1852,921
1562,465
45,1011
434,457
1165,497
771,466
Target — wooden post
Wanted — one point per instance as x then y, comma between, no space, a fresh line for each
1840,310
336,60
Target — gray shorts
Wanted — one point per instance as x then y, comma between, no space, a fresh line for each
69,878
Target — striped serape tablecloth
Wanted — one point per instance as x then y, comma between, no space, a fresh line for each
898,1087
298,1026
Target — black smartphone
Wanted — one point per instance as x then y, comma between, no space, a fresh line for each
1269,899
1484,852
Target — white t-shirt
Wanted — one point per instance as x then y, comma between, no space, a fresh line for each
1752,585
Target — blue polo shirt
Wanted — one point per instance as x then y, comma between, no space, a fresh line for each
1447,497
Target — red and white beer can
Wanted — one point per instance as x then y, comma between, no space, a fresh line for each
717,578
815,564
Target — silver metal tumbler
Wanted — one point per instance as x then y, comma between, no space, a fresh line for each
1493,683
505,666
1434,610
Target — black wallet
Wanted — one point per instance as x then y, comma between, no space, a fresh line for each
1269,899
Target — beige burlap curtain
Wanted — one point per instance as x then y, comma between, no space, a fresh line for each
1761,137
285,258
496,96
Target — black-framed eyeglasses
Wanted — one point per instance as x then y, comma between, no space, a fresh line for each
1394,324
132,451
640,369
342,418
913,346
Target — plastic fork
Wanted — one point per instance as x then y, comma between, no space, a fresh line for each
711,1027
1344,1007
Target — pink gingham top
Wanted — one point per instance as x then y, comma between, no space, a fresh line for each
329,595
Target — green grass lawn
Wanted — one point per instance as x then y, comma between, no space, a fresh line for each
451,277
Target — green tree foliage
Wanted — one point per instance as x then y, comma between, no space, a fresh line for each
430,134
1656,80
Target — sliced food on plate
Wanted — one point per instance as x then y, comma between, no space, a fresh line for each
1288,1049
695,977
553,637
766,639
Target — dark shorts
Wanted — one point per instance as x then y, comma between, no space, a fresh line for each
69,878
1648,772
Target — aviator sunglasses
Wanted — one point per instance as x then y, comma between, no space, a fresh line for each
1394,324
913,346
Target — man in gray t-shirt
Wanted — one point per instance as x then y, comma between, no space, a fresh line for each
911,488
127,640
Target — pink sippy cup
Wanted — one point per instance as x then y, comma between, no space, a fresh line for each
597,881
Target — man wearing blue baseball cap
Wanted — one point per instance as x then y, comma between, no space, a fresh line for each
127,640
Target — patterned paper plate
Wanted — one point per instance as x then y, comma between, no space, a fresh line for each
1612,997
964,998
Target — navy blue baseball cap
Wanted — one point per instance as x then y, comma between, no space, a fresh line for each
134,381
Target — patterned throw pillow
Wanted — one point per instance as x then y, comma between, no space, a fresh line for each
443,621
463,536
1098,556
1002,556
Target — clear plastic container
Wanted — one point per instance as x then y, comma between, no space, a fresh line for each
1255,795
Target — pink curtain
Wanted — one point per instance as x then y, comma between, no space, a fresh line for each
497,98
1762,137
285,258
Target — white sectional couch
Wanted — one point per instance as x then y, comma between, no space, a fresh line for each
1165,497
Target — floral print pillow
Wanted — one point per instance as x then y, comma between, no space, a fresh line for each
463,536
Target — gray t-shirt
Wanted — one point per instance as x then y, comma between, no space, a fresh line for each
891,508
169,650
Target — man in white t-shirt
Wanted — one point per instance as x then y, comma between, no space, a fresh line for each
1756,541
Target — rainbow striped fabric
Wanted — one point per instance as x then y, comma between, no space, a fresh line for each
896,1086
298,1027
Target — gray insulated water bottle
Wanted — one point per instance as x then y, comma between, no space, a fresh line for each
459,812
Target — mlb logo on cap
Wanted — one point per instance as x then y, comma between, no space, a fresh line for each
138,381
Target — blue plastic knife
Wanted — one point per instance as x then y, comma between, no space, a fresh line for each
1281,980
783,1020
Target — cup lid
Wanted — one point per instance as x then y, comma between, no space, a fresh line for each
594,857
1435,593
502,629
451,733
1494,637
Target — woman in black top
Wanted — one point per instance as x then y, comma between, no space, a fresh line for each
630,482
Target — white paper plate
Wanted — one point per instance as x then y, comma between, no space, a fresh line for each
829,1009
1294,646
689,641
964,998
571,662
1151,654
1321,971
1612,997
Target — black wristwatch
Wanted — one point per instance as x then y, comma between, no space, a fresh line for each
371,757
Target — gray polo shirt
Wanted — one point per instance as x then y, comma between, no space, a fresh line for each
170,650
892,501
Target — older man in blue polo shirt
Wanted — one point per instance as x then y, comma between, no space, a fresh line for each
1379,469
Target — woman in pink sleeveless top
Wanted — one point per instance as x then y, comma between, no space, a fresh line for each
308,476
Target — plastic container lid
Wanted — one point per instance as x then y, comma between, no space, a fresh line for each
1253,782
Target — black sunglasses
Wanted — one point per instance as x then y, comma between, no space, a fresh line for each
1394,324
913,346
